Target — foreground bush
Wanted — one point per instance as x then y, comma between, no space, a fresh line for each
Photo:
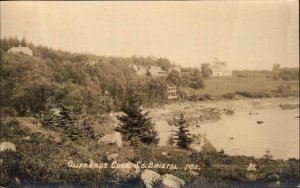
40,161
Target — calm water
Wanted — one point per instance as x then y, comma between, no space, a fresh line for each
241,135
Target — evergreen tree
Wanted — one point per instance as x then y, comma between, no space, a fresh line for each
23,42
135,125
183,138
68,123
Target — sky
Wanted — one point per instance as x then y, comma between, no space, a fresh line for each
246,34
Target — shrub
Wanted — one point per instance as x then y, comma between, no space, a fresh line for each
206,70
193,97
229,96
9,168
197,83
205,97
283,91
253,94
11,128
8,111
101,124
196,97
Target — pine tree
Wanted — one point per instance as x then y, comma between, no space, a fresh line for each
23,42
69,124
135,125
183,138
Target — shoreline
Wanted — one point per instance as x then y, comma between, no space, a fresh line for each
238,105
262,109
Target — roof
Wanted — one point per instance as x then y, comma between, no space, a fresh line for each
157,68
21,49
219,66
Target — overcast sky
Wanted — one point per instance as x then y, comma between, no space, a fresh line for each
245,34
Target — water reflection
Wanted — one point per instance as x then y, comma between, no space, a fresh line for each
242,135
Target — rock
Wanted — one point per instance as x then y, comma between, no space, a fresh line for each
114,138
208,148
171,181
126,170
199,142
112,157
251,176
26,138
17,181
91,161
55,111
150,178
7,146
273,177
57,139
193,173
164,153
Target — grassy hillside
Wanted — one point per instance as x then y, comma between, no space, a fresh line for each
41,159
219,86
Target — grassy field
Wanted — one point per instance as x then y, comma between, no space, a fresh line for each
218,86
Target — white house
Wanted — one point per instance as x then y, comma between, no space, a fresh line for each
140,69
153,70
219,68
20,49
157,71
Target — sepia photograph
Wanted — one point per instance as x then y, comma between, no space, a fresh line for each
149,94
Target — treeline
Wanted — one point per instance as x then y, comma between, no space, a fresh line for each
59,55
52,77
277,73
85,82
285,73
252,73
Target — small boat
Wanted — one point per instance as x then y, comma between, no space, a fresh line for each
259,122
253,113
297,117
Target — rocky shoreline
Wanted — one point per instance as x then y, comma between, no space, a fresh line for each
212,111
201,113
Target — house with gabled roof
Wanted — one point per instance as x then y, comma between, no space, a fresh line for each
21,49
149,69
219,68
